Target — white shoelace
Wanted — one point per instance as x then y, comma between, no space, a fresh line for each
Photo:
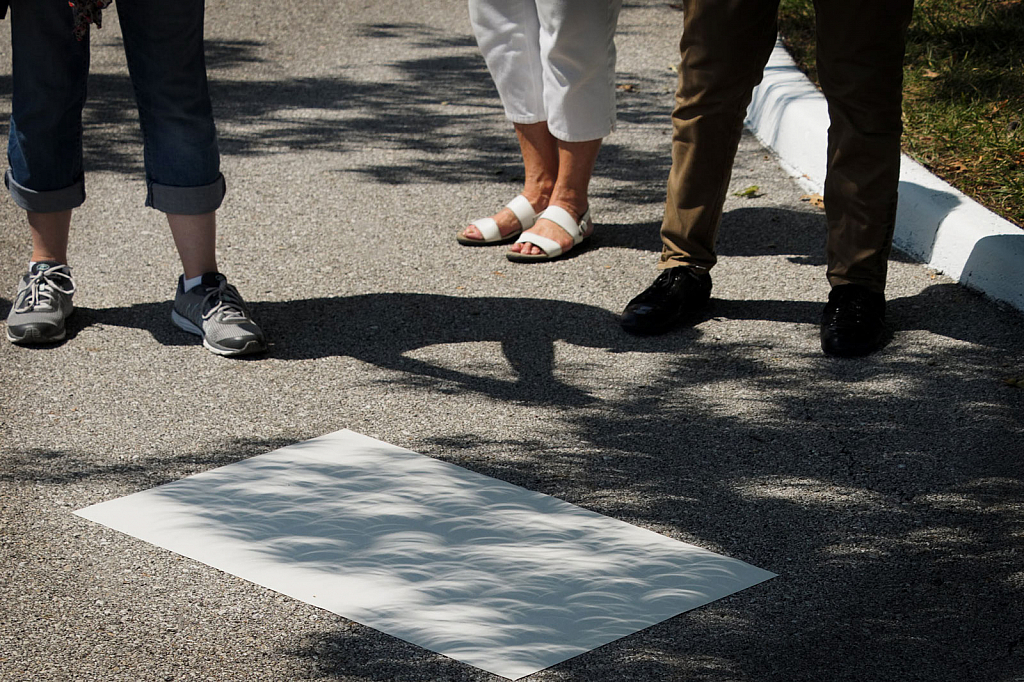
229,304
39,294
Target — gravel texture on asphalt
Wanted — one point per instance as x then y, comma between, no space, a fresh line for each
357,137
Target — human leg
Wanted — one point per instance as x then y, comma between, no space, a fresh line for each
724,47
195,237
45,141
860,66
540,164
575,166
166,61
577,56
45,153
49,70
43,301
507,32
204,303
50,232
577,52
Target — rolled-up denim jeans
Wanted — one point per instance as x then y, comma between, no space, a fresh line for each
163,42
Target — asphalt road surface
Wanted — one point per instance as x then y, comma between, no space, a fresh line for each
357,137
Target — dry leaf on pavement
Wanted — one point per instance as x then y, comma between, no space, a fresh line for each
814,199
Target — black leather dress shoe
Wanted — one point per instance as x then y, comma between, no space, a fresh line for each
677,294
853,321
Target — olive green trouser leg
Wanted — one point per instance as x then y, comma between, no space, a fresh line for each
724,48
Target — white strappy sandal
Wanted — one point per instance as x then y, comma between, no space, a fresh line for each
523,210
551,248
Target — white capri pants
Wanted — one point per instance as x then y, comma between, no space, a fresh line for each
552,60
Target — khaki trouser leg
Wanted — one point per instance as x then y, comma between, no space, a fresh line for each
860,62
724,48
860,65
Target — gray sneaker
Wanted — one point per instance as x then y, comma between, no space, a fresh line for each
215,311
41,305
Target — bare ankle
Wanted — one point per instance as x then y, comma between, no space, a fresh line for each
575,203
538,196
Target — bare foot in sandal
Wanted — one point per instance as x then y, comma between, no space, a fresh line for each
547,229
506,224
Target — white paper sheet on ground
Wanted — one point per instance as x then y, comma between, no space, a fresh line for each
488,573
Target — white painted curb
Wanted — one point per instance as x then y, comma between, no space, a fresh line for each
935,222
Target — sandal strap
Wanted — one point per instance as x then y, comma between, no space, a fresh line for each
559,216
549,246
488,229
523,210
564,220
520,207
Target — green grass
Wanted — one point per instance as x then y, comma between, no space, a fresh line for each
963,109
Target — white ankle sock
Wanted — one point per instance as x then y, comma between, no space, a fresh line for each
190,282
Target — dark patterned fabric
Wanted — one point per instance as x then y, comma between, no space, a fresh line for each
87,12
